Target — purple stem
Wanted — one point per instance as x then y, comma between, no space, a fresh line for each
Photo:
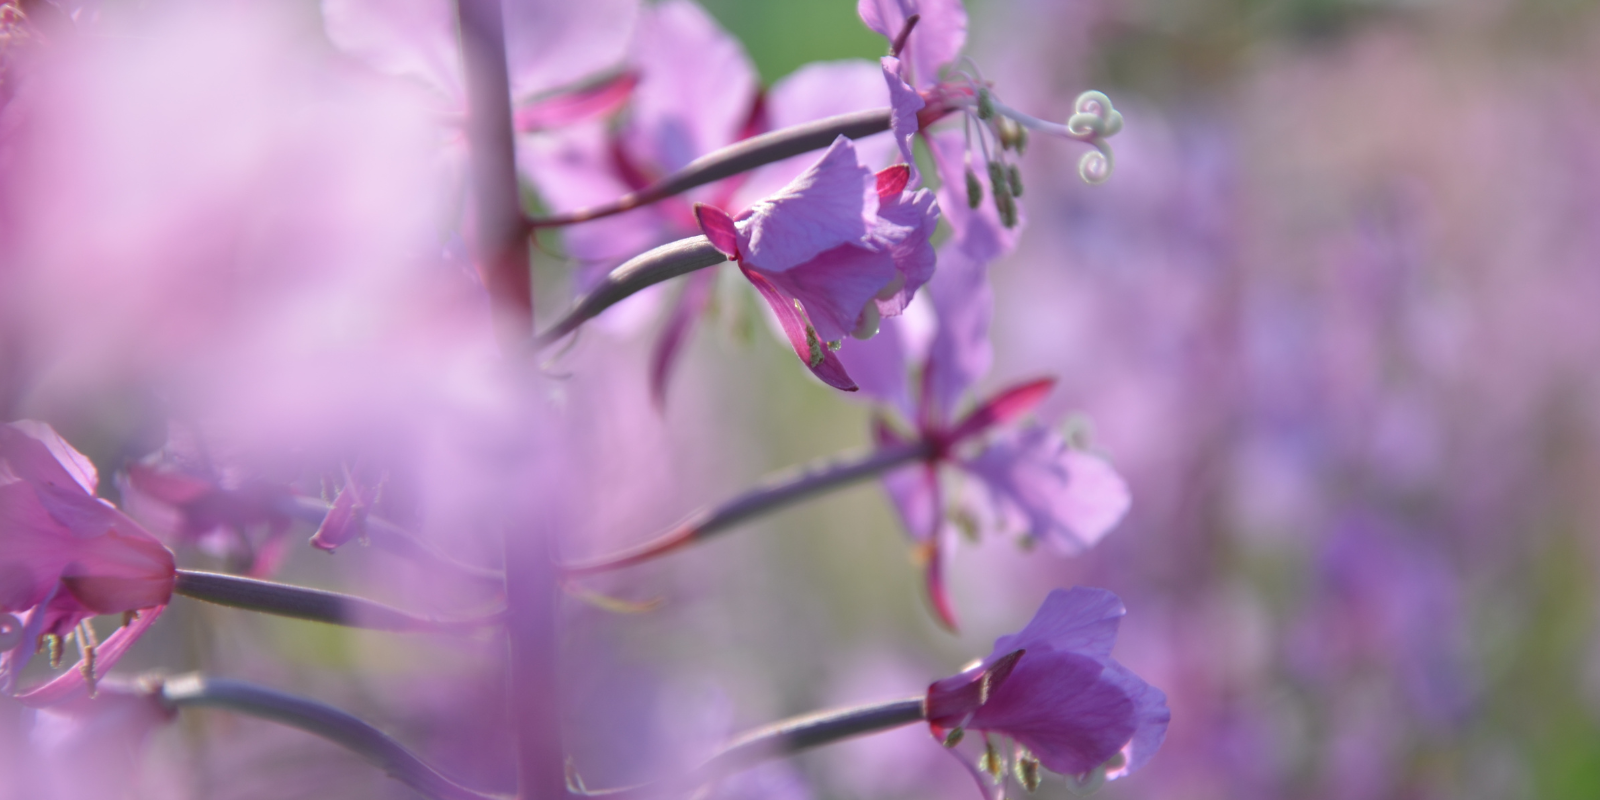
775,493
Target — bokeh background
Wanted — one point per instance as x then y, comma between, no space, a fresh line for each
1336,319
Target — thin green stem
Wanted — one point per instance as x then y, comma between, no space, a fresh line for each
647,269
777,492
734,159
316,605
327,722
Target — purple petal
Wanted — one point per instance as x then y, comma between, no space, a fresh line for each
578,167
1078,620
410,38
836,286
1066,496
664,357
940,34
905,103
1150,718
905,227
554,42
914,491
879,365
696,86
813,92
960,352
812,351
834,202
1071,710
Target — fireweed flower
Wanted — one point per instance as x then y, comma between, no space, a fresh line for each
832,253
66,556
696,92
1055,692
928,78
1023,477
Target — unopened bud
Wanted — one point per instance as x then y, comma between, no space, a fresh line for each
1026,769
1007,208
974,189
954,737
985,104
1014,180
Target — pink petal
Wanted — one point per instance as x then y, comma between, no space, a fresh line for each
696,87
70,684
905,103
410,38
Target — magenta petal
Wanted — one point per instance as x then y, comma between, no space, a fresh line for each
1080,620
574,106
836,286
938,597
664,356
1065,496
831,204
1004,406
904,103
1150,718
718,228
814,352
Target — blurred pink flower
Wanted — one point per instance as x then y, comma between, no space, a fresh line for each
65,555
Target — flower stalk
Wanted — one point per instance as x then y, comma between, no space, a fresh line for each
779,740
644,270
315,605
327,722
778,492
739,157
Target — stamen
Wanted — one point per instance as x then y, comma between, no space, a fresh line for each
87,644
10,632
51,642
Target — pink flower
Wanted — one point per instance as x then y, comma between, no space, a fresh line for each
1055,691
65,555
832,252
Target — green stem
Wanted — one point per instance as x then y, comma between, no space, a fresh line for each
778,740
315,605
647,269
345,730
734,159
775,493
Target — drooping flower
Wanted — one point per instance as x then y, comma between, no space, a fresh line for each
1023,477
925,84
1055,692
832,253
697,91
66,555
244,523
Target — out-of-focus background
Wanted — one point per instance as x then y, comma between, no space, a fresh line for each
1335,318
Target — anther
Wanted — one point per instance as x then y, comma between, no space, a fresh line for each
954,737
1014,180
974,189
985,104
1026,769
